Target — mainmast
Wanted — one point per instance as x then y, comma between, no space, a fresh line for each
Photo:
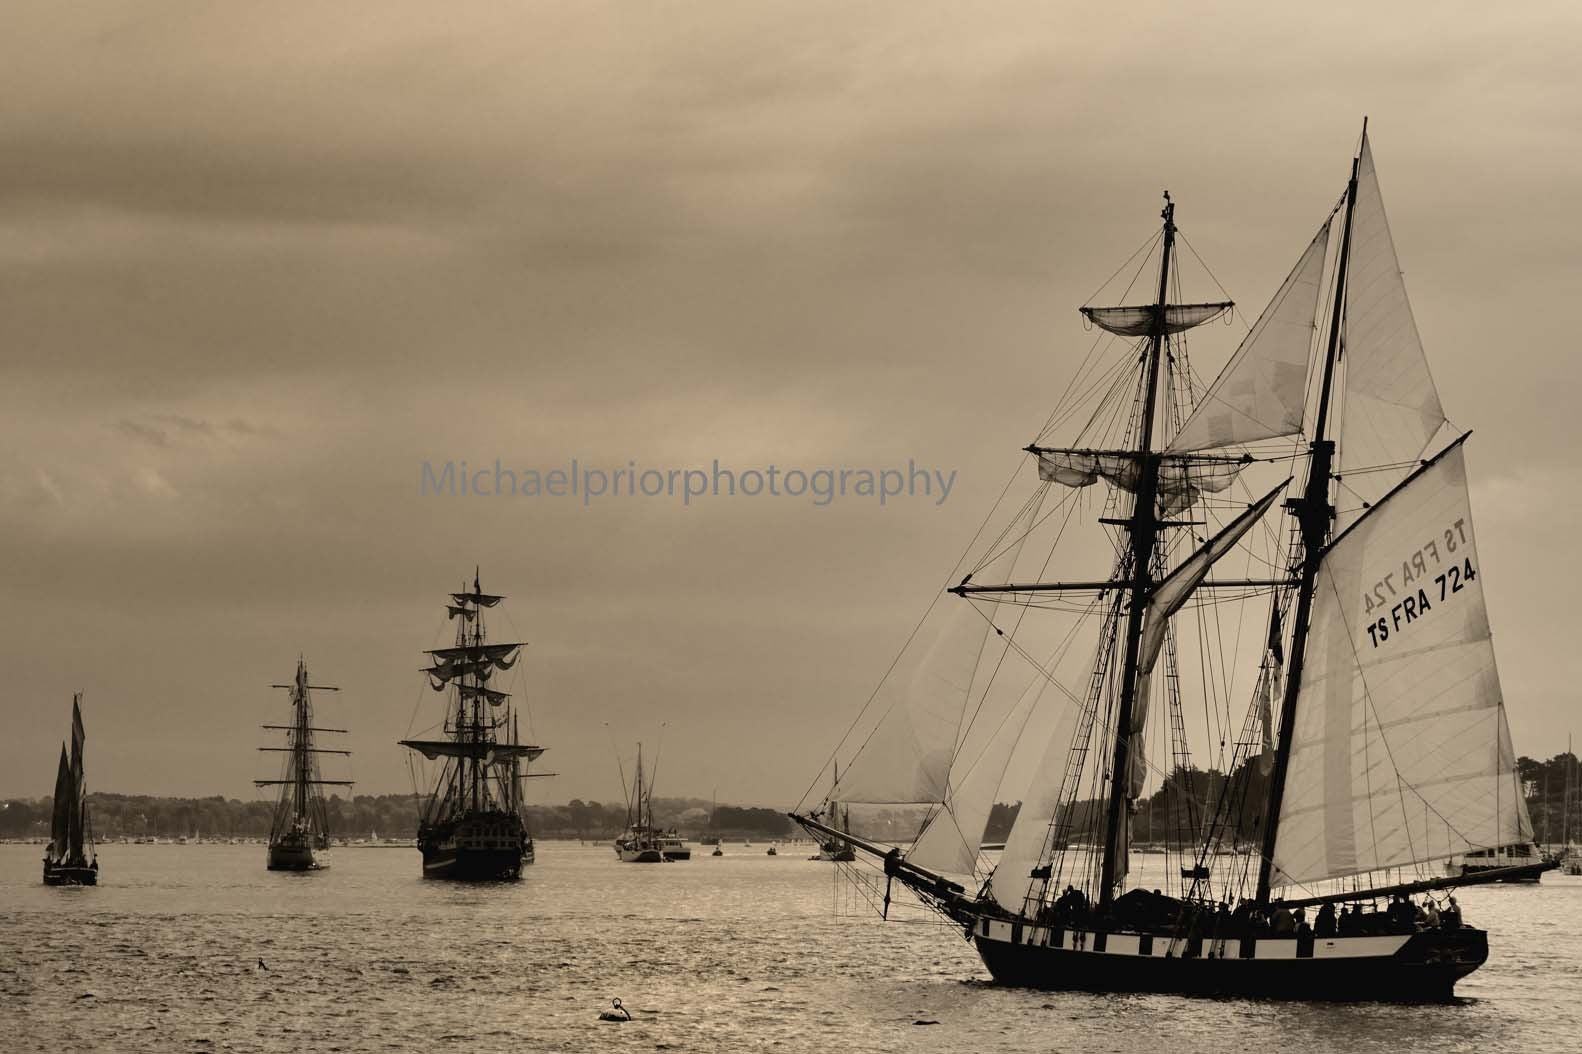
1144,530
1314,515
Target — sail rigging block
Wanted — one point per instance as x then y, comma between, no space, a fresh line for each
1182,478
1139,321
1390,411
1400,751
1261,392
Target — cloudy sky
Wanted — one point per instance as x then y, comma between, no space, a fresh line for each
259,262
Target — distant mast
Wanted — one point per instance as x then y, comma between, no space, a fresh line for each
300,832
71,859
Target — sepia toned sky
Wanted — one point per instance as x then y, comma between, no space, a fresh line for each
257,263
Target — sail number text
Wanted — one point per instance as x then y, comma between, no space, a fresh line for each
1430,576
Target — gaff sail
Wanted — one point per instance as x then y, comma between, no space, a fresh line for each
1400,752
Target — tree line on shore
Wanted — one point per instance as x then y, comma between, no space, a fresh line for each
387,815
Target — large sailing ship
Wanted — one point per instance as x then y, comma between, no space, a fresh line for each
70,858
473,825
1375,743
299,834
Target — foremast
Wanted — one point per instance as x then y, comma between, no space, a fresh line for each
1143,528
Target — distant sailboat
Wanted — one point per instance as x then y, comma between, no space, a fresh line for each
299,835
837,848
641,843
70,859
473,826
1391,750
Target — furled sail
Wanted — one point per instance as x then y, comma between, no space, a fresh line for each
469,691
1400,751
1261,392
60,823
1390,410
483,600
474,652
1182,480
490,752
1163,603
1138,321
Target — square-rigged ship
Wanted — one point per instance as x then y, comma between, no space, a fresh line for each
299,834
473,826
1375,743
70,859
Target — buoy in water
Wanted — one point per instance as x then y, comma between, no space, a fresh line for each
617,1012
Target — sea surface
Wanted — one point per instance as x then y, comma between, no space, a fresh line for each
740,952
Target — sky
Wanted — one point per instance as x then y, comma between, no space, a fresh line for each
259,263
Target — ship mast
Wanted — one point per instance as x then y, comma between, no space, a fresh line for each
1143,527
1314,515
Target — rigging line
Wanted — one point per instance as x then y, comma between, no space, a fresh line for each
908,643
1210,271
1089,361
1103,380
1148,246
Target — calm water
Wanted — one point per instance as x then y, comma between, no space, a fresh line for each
732,953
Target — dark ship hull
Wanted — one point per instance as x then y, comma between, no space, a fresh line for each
290,857
487,847
1525,873
70,875
1417,967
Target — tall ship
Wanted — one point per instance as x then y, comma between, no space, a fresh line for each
71,859
642,842
1295,539
299,833
473,825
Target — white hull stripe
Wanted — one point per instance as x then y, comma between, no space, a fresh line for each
1176,947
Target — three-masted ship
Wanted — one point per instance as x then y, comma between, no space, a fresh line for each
299,833
473,825
70,859
1375,742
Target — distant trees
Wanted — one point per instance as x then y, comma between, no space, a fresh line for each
135,816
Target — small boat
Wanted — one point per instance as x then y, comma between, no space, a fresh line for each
299,837
717,850
837,849
1521,862
642,843
673,846
473,827
71,859
772,852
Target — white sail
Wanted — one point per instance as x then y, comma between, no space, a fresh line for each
1400,752
1053,726
1390,409
1262,389
951,841
907,758
1167,599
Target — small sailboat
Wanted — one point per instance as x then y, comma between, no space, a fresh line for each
473,826
299,835
835,848
71,859
1375,744
641,843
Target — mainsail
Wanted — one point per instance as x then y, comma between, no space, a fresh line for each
1390,409
1400,753
60,813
